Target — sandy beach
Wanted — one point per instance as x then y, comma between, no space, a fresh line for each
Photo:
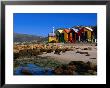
74,56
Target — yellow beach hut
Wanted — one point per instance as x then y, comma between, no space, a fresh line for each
52,38
66,34
89,33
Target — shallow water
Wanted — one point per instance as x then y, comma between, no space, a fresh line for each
32,69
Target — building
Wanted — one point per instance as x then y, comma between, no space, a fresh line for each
75,36
52,37
85,34
66,34
60,36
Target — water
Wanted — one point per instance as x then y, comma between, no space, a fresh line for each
31,69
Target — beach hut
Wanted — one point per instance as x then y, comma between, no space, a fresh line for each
85,34
74,34
66,34
70,36
52,38
59,35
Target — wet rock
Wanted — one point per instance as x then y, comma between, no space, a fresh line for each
82,67
91,66
58,70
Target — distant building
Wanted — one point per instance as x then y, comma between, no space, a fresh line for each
52,37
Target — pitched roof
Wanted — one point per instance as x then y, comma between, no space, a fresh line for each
60,31
67,30
89,28
76,30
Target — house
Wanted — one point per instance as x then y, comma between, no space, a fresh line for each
60,35
66,34
79,33
85,34
74,34
52,38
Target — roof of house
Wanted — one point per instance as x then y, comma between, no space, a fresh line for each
76,30
67,30
89,28
60,31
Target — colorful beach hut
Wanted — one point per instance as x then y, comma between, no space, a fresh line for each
75,34
70,36
52,38
66,34
85,34
59,35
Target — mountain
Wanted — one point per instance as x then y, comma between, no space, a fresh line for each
28,38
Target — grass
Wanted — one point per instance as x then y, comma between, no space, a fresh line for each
45,62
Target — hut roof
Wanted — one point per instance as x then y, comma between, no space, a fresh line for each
60,31
89,28
67,30
76,30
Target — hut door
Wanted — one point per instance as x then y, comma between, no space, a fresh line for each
62,37
68,36
77,37
86,36
82,36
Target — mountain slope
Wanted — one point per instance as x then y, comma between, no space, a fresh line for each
26,37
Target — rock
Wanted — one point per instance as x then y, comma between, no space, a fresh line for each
91,66
83,52
85,49
87,55
92,72
63,50
82,67
92,58
58,70
16,55
57,51
48,72
89,48
77,51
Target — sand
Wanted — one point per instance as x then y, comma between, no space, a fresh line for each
73,56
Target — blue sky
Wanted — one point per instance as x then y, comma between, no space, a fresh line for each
42,23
